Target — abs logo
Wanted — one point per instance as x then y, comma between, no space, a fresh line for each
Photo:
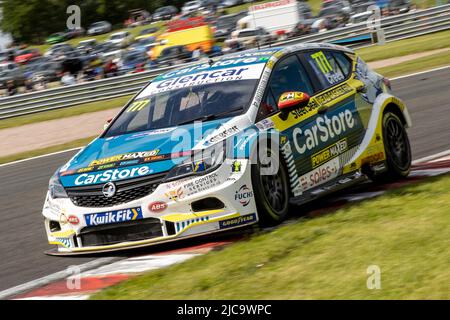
73,220
243,195
157,207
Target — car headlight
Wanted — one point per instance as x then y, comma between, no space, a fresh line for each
200,163
55,188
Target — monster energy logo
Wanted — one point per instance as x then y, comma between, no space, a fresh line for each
322,62
138,105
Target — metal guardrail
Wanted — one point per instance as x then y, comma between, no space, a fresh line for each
397,27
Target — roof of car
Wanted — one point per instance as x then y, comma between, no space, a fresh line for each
264,55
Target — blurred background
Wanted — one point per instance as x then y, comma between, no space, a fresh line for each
37,51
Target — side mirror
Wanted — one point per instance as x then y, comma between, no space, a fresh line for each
106,125
292,100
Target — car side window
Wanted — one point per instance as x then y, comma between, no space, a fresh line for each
344,63
325,67
288,75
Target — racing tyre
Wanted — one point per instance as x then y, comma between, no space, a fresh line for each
271,191
397,148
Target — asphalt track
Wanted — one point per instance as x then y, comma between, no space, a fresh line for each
23,185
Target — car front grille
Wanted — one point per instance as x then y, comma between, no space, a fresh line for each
127,190
121,232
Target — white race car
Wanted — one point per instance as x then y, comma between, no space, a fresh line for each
226,144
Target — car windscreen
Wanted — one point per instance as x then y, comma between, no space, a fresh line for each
134,56
251,33
183,106
148,31
117,36
162,10
146,41
226,22
201,92
47,66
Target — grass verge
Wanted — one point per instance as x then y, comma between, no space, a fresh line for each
404,232
39,152
416,65
404,47
65,112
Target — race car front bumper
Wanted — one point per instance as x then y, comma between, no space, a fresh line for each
193,206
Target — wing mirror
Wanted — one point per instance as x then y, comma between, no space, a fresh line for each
106,125
292,100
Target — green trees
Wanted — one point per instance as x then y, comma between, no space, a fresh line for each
31,21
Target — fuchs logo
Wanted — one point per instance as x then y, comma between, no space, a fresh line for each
95,219
158,206
243,195
73,220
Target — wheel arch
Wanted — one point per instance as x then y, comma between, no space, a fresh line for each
383,103
396,109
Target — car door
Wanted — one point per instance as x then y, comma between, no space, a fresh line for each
342,115
318,135
289,75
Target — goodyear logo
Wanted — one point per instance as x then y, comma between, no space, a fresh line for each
329,153
95,219
234,222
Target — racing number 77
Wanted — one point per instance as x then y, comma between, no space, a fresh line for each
138,105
